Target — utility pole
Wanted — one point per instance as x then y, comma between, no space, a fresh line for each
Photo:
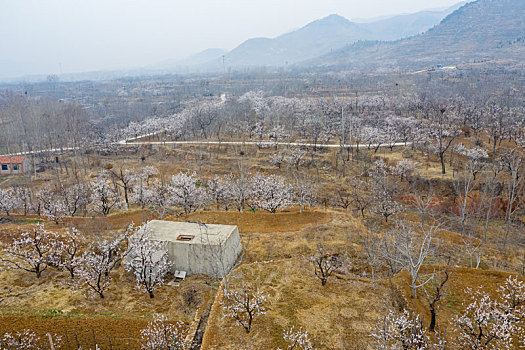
343,131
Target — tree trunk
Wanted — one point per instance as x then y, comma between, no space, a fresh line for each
432,327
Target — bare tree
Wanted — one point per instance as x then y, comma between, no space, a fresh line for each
244,304
437,287
463,187
360,196
343,197
124,179
474,248
444,131
372,247
411,248
304,190
325,264
424,203
514,163
383,191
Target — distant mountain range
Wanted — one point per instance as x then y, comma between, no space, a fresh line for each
194,60
403,26
323,36
478,31
482,30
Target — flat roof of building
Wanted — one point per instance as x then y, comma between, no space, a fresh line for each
189,233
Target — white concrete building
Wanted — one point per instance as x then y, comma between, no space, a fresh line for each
197,248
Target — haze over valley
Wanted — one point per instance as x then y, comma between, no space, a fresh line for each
232,174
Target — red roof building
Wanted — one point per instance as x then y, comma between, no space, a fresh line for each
10,165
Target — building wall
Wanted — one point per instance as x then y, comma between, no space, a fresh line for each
212,260
23,168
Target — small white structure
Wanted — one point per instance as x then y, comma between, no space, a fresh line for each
198,248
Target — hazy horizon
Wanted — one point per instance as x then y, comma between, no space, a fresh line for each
61,36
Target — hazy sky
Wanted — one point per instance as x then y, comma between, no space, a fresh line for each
40,36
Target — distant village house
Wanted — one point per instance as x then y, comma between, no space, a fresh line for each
12,165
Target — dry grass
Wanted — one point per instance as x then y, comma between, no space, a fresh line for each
24,298
456,296
342,312
58,308
339,235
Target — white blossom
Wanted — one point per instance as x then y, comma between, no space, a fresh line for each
222,190
8,201
27,340
400,331
269,192
490,323
31,251
185,192
297,339
163,335
404,169
95,265
104,195
147,260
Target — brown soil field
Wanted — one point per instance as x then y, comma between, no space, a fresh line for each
261,222
248,222
108,332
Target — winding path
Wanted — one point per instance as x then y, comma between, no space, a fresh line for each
266,143
133,141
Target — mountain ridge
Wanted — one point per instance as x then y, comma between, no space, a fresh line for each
324,35
480,30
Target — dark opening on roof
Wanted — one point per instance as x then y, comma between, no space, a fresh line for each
185,238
